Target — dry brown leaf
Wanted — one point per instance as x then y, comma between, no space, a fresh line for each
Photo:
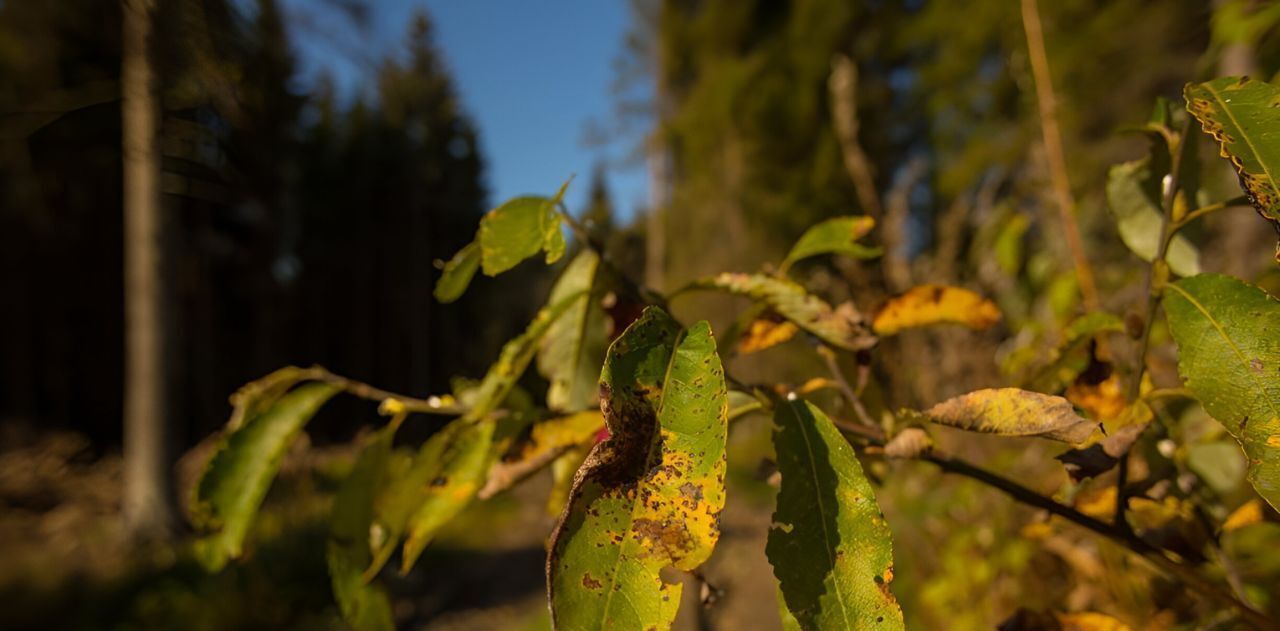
935,304
909,443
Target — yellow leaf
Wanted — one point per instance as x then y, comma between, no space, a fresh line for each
764,333
1099,503
1249,513
935,304
1013,412
1090,621
1103,401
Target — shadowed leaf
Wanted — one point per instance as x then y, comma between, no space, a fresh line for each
1243,115
458,273
935,304
1134,197
842,327
563,469
1013,412
573,350
829,545
650,496
364,606
1229,356
237,478
834,236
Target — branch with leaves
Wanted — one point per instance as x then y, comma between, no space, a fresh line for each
636,417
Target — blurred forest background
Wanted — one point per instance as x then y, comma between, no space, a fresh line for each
300,227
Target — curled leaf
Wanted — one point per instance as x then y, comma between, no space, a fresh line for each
834,236
842,326
650,496
1013,412
236,480
1242,115
911,442
935,304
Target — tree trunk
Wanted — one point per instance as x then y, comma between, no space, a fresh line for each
146,503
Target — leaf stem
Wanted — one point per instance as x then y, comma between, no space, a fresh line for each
1211,208
1155,290
359,389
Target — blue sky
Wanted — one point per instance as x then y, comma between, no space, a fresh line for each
531,74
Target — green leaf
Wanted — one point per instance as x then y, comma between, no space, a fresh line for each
829,545
1134,197
257,396
563,470
448,469
237,478
364,606
650,496
461,472
573,350
458,272
519,229
1012,412
1228,335
1243,115
843,326
834,236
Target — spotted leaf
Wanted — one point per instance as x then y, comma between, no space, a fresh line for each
1229,356
650,496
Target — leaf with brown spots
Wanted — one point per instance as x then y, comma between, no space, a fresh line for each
650,496
842,326
1013,412
927,305
829,545
1229,355
1243,115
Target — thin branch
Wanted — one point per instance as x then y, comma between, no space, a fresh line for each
843,85
1155,289
1054,154
432,405
1235,202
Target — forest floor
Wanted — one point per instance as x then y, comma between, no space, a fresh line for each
64,562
